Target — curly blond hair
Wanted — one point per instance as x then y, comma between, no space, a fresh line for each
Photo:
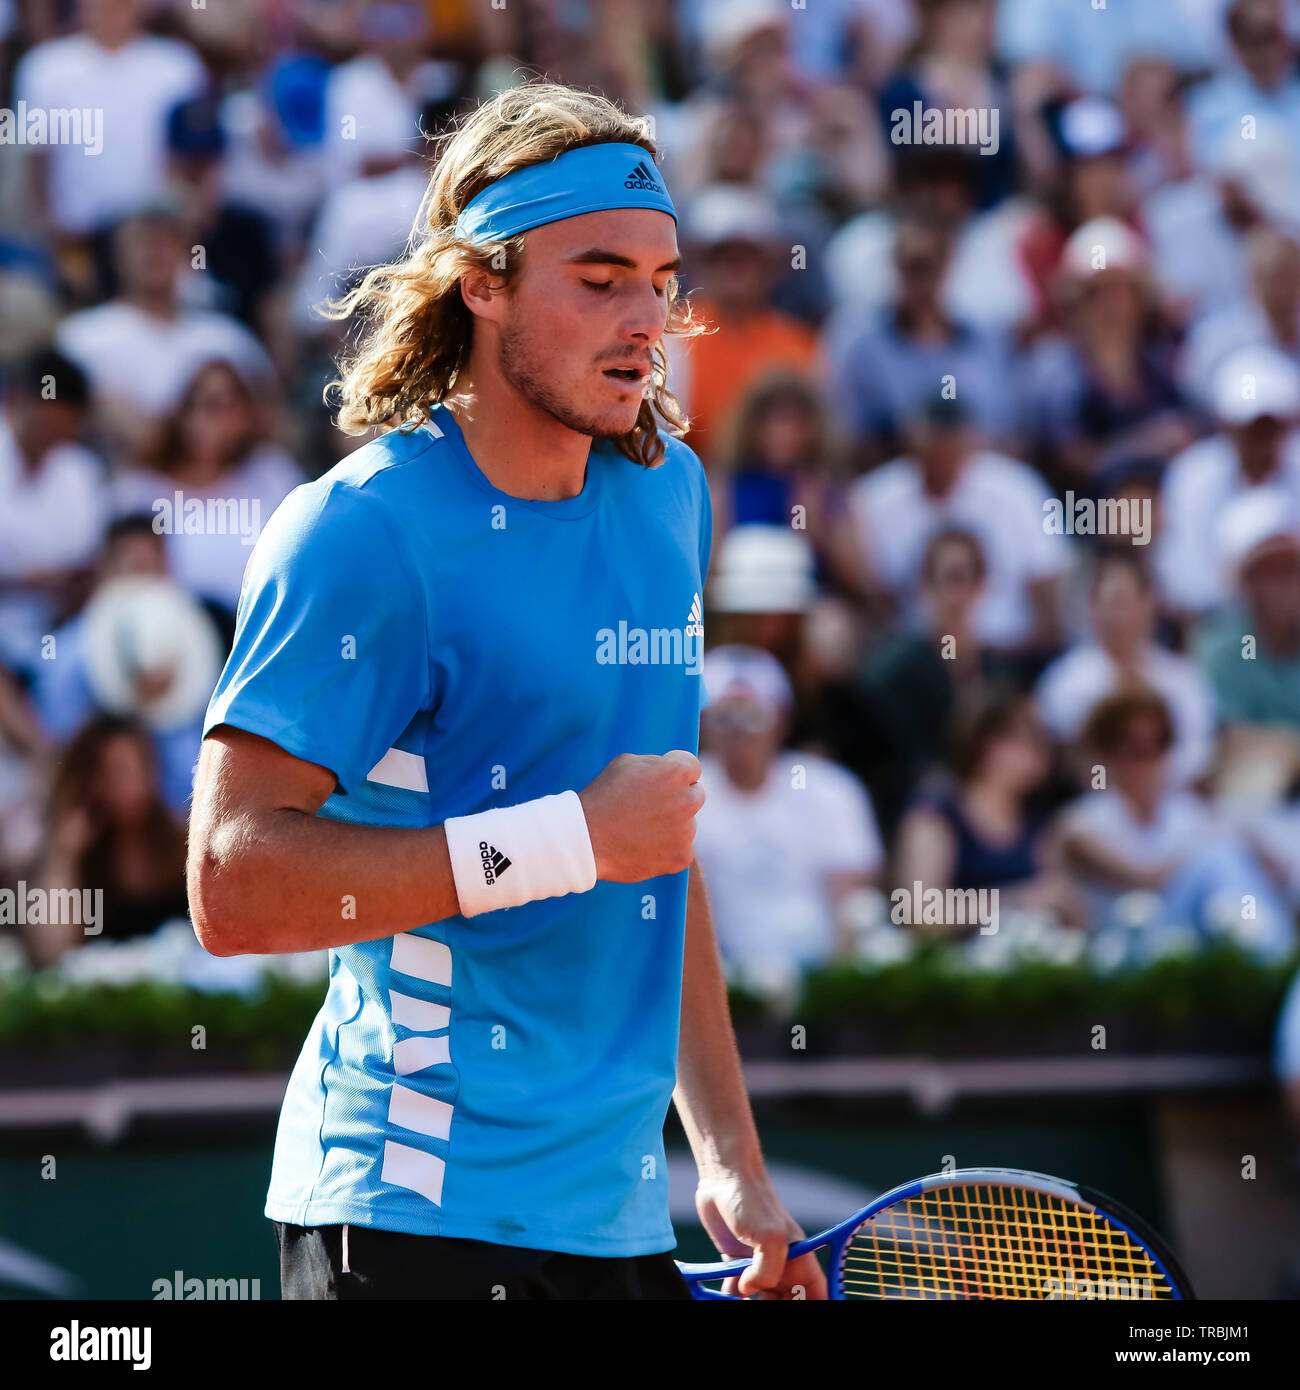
415,330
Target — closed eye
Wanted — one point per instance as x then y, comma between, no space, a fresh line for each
602,285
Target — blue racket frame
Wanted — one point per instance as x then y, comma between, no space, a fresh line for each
837,1237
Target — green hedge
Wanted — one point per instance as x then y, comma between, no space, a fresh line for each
929,1000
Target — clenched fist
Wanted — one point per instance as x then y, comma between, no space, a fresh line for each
641,815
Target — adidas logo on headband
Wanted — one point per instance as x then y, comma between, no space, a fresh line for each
641,177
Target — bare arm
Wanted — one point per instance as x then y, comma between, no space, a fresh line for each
266,874
736,1201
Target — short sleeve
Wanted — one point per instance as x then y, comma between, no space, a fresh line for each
330,656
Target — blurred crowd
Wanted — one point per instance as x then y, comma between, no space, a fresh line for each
1001,417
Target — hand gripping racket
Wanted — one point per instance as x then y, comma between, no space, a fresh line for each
985,1233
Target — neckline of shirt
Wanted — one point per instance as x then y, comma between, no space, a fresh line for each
566,508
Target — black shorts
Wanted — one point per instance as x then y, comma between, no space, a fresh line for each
395,1265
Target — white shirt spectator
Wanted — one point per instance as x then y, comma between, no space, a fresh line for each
369,113
210,563
147,362
1212,339
1197,257
53,520
1198,484
1181,824
134,87
766,855
998,499
362,223
986,284
1072,685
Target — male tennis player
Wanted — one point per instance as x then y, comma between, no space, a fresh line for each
455,744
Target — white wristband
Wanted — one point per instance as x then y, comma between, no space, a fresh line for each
517,854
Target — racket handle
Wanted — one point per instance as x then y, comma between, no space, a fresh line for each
696,1274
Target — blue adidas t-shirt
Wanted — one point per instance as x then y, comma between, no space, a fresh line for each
443,648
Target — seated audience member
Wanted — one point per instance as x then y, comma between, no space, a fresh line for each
734,233
214,458
25,755
1134,832
1122,655
914,679
1269,315
141,349
53,508
947,480
784,834
1257,402
775,468
110,829
63,691
1104,387
982,832
1252,655
885,366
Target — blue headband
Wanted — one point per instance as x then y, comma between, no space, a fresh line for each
592,178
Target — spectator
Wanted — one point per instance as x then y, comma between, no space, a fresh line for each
64,690
141,349
1104,388
1256,402
884,368
776,468
1122,655
133,79
1252,655
52,504
734,234
951,67
1262,83
784,835
214,457
373,101
110,831
1134,833
1269,315
915,680
983,832
946,480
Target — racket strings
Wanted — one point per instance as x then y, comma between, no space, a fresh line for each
983,1240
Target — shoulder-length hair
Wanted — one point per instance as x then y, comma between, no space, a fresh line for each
415,329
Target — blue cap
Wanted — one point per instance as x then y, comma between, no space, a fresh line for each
593,178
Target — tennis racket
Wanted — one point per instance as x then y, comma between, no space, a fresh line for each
985,1233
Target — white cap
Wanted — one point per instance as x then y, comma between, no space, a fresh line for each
1256,520
1121,246
730,212
730,22
1092,126
138,623
763,569
1255,381
735,669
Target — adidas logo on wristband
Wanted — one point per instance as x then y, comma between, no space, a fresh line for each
494,862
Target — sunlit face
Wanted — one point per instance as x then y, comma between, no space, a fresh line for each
577,330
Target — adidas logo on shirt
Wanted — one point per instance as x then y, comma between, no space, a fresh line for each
657,646
695,618
643,177
494,862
